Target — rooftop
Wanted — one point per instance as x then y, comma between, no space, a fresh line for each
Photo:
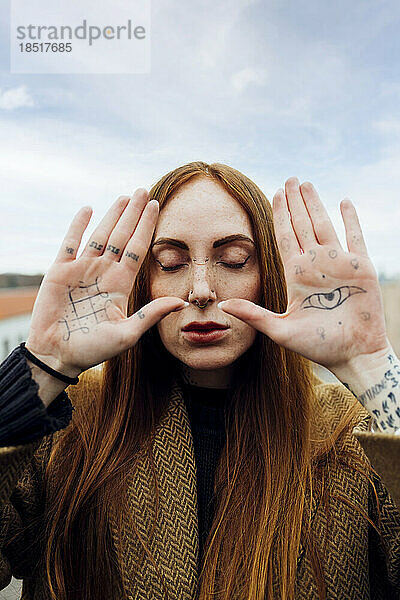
17,301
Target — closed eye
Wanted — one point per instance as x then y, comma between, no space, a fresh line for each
228,265
333,299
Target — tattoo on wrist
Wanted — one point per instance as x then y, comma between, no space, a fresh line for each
387,414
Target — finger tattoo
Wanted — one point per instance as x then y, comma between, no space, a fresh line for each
96,245
132,255
113,249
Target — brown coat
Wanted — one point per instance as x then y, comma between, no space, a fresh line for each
356,568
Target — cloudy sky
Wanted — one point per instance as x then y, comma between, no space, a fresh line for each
273,88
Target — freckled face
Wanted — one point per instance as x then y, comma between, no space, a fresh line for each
199,214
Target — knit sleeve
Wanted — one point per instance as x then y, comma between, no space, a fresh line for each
23,416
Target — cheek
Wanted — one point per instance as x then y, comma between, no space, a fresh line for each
170,325
248,288
159,287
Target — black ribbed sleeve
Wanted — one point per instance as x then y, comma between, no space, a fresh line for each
23,416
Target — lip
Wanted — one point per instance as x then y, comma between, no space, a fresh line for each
204,326
206,336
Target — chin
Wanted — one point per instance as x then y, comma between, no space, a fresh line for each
207,359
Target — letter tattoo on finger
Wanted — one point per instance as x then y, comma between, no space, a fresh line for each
332,253
132,255
113,249
140,314
96,245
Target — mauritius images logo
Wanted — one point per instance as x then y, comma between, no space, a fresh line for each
109,36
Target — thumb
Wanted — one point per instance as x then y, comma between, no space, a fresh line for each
271,324
138,323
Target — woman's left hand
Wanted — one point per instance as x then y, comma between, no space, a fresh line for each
335,310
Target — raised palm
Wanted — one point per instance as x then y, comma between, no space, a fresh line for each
80,315
335,309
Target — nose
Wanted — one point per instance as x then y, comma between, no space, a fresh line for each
202,290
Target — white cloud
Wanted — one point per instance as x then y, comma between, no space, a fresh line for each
250,75
387,126
17,97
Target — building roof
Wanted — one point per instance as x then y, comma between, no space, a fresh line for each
17,301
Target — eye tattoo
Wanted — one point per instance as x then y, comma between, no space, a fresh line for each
330,300
229,265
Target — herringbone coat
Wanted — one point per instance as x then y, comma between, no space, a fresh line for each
356,568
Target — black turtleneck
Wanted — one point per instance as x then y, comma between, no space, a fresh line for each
205,408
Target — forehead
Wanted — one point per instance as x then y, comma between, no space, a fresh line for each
203,209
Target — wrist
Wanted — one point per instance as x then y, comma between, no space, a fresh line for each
375,381
365,368
51,361
49,387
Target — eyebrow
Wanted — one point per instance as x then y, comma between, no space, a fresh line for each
225,240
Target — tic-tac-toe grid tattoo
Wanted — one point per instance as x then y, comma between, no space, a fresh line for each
87,307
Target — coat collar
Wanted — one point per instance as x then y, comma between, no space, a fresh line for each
174,543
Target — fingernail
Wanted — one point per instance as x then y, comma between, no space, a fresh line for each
184,305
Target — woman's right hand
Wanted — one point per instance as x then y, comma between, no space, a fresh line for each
80,315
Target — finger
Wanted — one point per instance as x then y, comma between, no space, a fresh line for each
126,225
98,240
301,221
272,324
285,236
321,223
354,235
73,238
137,324
138,245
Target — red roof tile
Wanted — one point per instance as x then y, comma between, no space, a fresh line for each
17,301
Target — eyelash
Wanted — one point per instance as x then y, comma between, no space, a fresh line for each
229,266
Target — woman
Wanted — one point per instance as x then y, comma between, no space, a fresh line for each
116,504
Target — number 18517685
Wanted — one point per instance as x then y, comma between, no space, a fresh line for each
45,47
